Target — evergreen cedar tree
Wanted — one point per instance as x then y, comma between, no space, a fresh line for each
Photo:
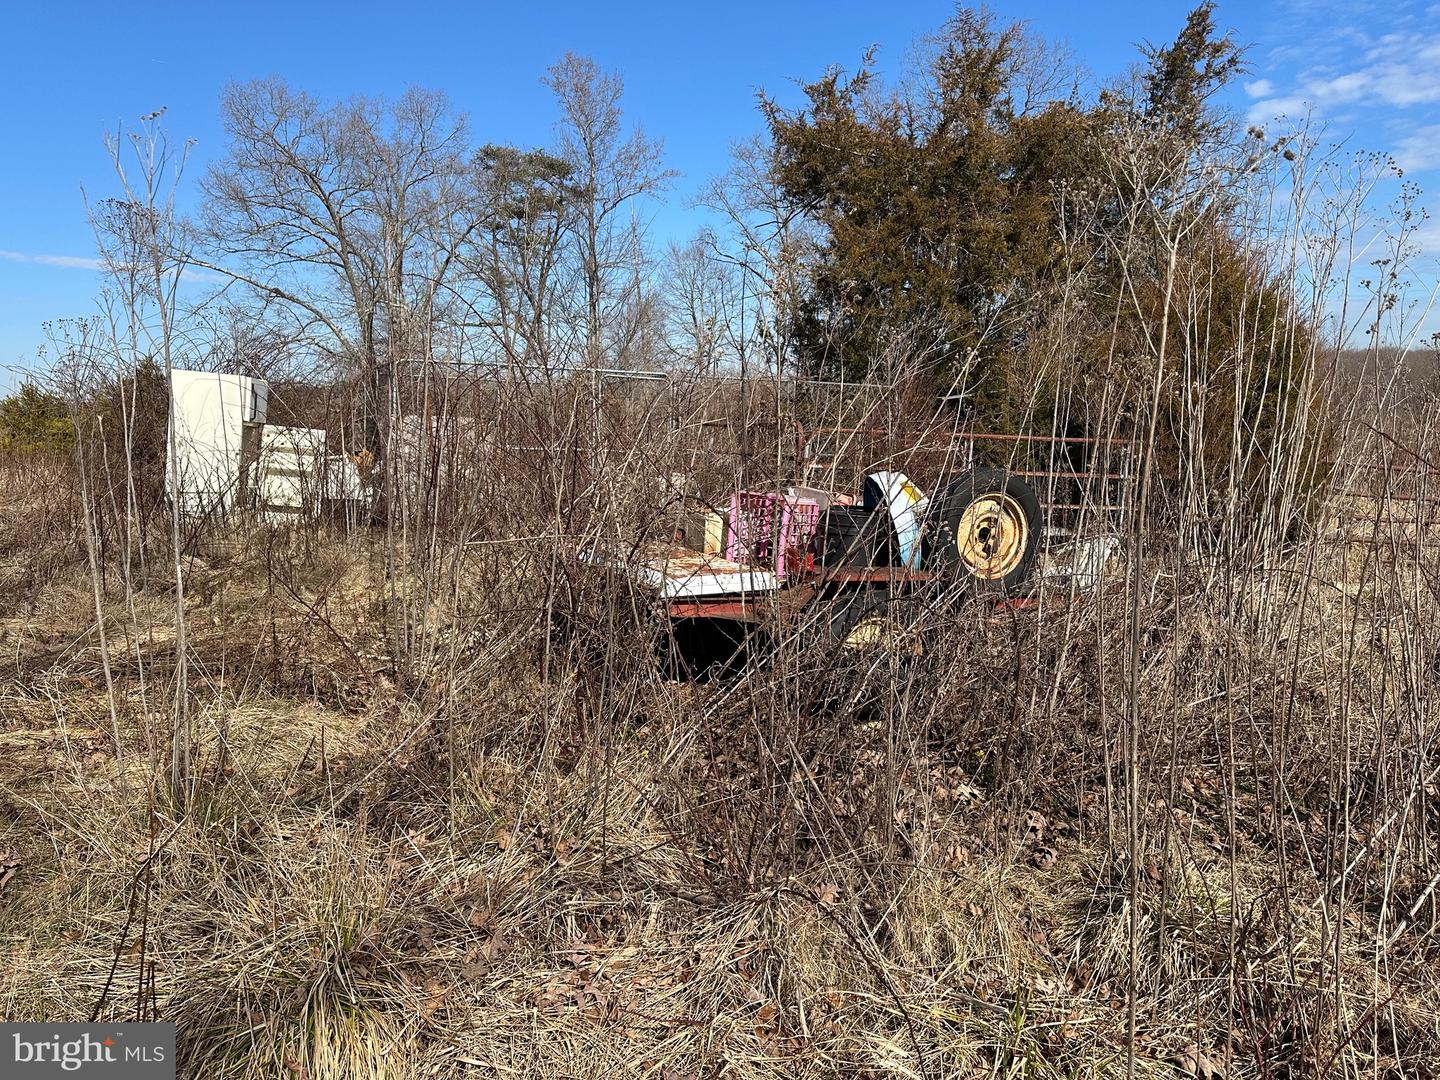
33,421
939,219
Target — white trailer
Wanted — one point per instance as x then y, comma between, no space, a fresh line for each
215,426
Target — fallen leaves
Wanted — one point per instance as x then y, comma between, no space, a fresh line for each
1193,1061
482,955
1044,856
436,994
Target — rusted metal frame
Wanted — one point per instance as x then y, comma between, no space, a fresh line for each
871,575
725,608
962,437
991,436
1067,475
1397,496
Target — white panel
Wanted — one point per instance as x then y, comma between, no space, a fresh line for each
207,414
288,477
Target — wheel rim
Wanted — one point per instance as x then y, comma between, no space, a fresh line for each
881,631
873,631
991,536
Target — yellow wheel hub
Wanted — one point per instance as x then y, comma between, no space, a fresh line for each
873,631
991,536
881,630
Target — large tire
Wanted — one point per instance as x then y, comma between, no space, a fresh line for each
876,650
985,530
826,623
866,619
859,619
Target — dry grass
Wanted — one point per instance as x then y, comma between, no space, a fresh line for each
472,871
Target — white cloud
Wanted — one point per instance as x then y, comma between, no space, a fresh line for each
1263,112
1396,70
72,262
1420,149
86,262
1427,238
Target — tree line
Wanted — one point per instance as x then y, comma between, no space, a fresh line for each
989,223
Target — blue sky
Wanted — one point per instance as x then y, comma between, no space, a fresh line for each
73,71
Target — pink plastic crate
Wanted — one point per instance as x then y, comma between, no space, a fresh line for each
773,530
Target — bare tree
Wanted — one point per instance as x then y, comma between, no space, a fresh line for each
766,238
702,296
144,249
346,218
610,172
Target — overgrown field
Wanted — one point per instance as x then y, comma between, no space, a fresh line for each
445,815
408,788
